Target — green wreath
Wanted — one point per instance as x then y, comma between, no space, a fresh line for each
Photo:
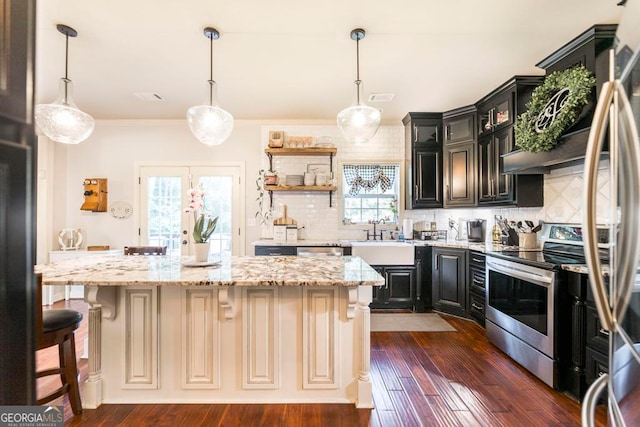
553,107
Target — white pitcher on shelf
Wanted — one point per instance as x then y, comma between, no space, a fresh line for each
70,239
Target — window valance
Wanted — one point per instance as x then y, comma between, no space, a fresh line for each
368,177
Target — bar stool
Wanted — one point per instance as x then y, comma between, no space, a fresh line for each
56,327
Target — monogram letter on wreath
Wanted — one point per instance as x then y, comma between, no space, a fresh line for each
553,108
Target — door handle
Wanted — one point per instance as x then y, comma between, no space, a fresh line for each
629,244
589,230
591,400
415,133
184,242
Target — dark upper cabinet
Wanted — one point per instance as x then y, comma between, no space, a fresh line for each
459,156
459,128
449,282
423,148
494,186
496,114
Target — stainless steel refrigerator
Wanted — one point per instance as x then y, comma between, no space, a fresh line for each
616,287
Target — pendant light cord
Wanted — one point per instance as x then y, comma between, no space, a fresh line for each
211,82
66,68
358,69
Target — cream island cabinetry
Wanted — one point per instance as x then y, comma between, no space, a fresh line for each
250,330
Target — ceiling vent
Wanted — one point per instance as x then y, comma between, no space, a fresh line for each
381,97
149,97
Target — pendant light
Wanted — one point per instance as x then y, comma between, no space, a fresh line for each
209,123
358,123
62,121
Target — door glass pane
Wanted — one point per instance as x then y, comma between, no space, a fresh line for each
164,212
218,202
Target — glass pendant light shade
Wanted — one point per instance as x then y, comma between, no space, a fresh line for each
209,123
62,121
358,123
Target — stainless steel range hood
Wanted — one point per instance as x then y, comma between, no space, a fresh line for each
591,50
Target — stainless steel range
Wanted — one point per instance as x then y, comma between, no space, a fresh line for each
522,298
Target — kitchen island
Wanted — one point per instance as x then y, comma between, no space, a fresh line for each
244,330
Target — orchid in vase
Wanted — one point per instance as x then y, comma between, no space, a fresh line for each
204,224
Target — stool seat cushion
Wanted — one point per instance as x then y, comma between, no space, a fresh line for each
52,320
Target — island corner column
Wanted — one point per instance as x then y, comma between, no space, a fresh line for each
365,386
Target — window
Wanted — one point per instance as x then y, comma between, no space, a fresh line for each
370,193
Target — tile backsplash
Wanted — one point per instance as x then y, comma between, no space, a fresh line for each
563,189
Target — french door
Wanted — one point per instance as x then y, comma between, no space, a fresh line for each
164,196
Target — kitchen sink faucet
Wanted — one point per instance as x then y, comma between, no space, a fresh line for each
375,235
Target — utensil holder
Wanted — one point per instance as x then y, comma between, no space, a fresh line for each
528,240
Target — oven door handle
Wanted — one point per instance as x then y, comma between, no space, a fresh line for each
537,279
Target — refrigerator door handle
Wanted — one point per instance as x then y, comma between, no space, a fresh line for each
629,252
589,230
591,400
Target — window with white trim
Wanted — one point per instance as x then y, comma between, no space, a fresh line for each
370,193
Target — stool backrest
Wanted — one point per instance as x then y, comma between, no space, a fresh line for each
145,250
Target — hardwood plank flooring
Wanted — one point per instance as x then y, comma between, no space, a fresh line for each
419,379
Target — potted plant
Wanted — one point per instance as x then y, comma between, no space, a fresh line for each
263,213
204,224
270,178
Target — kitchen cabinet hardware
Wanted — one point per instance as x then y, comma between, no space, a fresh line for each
477,306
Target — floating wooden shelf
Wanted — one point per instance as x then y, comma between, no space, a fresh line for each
300,187
309,151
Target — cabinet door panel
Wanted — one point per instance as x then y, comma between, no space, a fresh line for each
425,132
460,129
460,174
450,280
401,286
428,177
485,169
503,187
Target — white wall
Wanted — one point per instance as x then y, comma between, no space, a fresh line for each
116,147
112,152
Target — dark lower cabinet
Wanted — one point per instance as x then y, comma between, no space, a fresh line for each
584,344
449,281
398,291
423,279
275,250
476,296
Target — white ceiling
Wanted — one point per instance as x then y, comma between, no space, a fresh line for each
294,59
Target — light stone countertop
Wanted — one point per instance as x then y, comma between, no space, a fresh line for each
301,242
582,268
234,271
463,244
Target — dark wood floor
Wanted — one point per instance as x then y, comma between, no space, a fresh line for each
420,378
